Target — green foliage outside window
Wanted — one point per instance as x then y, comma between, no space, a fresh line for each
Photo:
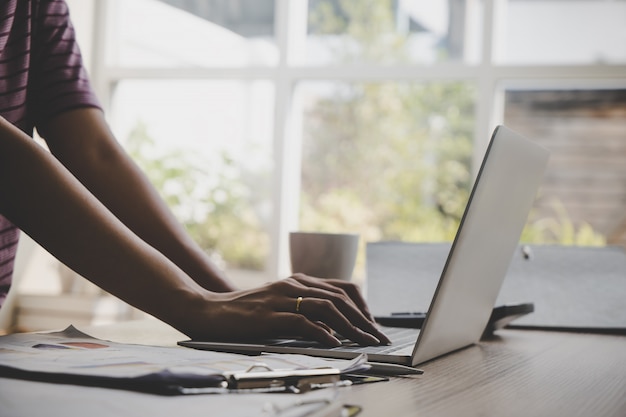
392,161
388,160
210,198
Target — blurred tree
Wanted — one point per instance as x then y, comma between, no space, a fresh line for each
211,200
389,160
392,160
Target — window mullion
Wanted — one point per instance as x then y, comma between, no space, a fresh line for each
289,18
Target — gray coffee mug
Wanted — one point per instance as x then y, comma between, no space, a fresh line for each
323,255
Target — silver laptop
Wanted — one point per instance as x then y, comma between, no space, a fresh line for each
488,235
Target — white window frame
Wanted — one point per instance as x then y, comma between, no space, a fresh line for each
489,78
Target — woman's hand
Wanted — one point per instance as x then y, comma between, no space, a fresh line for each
274,310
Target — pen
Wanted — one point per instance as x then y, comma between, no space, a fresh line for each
409,313
393,369
334,408
324,407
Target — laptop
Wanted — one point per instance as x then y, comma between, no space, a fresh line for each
489,232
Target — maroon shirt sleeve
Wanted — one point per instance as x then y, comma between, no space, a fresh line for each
58,79
41,75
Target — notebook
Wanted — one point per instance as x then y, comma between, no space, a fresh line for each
489,232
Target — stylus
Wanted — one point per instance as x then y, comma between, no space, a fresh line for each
392,369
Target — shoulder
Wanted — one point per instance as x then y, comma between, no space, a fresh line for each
50,15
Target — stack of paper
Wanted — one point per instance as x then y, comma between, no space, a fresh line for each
72,357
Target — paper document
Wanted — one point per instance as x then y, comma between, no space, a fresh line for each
70,356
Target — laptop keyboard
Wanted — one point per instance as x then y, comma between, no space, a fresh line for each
400,339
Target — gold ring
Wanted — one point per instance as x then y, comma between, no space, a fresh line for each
298,302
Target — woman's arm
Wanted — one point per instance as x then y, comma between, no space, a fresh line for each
44,200
83,142
41,197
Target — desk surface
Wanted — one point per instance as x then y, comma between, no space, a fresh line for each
518,373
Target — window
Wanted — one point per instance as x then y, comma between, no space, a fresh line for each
583,195
206,145
190,34
560,32
366,116
390,160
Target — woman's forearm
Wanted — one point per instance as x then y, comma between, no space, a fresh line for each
82,140
44,200
40,196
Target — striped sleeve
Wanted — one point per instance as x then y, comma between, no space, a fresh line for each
9,236
59,80
14,58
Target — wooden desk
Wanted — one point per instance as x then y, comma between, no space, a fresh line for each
518,373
